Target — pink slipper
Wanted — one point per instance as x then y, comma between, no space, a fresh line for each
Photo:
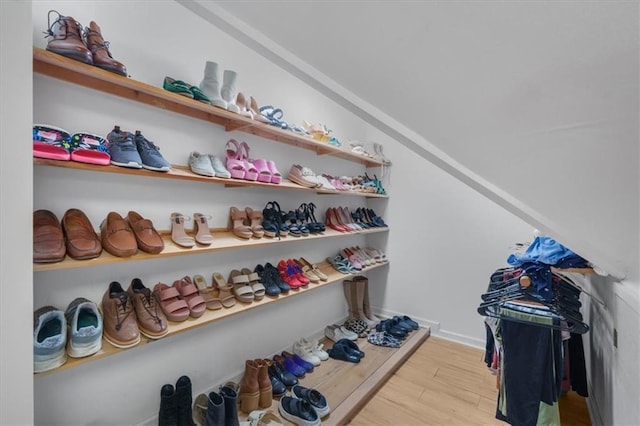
235,165
264,173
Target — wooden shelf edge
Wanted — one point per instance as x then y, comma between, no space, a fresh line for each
210,317
585,271
223,240
181,172
63,68
347,410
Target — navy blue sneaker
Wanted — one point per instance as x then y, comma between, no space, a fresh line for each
150,154
122,149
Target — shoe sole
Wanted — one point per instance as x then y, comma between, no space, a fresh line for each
295,419
40,366
157,169
81,351
119,344
130,164
302,182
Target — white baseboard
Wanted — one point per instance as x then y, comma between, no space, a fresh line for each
461,338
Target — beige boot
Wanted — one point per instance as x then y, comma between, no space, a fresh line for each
249,392
264,385
359,285
348,286
366,304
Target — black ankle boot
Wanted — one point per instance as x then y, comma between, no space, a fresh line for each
183,401
168,415
230,396
215,410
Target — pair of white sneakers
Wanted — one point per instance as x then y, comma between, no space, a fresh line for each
310,351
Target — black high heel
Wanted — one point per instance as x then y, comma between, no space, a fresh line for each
305,217
311,208
272,221
291,221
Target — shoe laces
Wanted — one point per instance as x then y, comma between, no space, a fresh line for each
146,144
125,304
67,34
123,140
150,305
97,43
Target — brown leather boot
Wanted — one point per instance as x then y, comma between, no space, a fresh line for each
264,384
67,38
249,392
100,50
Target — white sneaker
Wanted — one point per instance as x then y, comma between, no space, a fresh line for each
316,348
337,332
304,352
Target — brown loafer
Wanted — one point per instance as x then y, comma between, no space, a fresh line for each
48,240
82,241
117,236
146,235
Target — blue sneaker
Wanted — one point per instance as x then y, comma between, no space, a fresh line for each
150,154
123,149
49,339
85,328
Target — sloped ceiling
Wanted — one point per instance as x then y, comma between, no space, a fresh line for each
538,100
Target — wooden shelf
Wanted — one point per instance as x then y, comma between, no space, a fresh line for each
184,173
584,271
213,316
223,240
60,67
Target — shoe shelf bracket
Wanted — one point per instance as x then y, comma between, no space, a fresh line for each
62,68
212,316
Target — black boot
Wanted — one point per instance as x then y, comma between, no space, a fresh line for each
183,401
168,415
230,397
215,410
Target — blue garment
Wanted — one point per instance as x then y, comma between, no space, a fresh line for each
543,250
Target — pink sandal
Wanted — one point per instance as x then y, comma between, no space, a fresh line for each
235,165
264,174
276,177
251,172
190,294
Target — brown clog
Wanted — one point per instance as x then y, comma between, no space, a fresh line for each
146,235
82,241
48,240
117,237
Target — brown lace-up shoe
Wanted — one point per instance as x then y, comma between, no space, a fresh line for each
100,50
67,38
151,320
119,319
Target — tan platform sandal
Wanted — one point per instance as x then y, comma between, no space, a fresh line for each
241,287
254,281
178,234
255,222
237,221
225,290
211,295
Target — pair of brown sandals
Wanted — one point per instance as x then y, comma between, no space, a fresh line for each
246,223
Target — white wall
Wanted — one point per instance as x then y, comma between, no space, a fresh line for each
445,239
16,366
533,104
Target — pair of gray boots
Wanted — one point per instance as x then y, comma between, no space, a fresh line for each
356,291
217,409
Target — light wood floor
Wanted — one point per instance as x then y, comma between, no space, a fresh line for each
446,383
